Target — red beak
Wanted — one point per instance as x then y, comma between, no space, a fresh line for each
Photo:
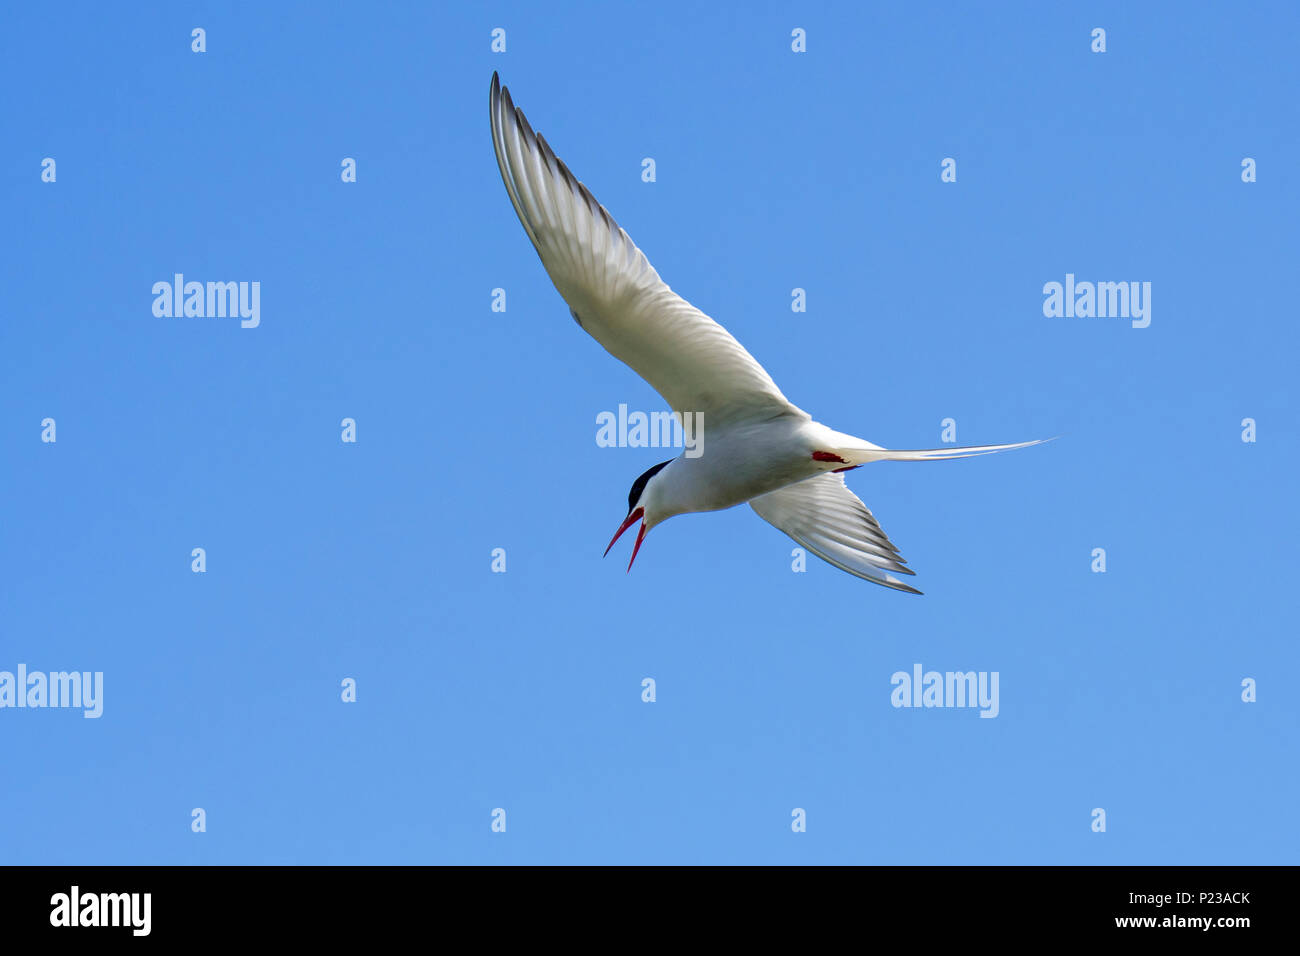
631,519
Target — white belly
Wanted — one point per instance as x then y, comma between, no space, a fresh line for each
743,462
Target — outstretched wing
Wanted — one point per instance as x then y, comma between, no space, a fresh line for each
828,519
614,292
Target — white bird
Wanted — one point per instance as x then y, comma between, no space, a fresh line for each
760,448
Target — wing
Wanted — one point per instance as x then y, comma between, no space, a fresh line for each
614,292
833,523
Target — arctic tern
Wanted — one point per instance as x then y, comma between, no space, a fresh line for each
761,449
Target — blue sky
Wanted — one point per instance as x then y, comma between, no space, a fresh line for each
476,430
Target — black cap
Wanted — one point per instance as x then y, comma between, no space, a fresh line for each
638,486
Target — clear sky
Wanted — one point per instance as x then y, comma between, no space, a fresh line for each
476,430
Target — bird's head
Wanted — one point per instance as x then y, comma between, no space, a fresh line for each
642,505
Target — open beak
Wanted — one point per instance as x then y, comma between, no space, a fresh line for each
631,519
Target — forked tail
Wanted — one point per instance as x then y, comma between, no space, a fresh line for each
855,451
939,454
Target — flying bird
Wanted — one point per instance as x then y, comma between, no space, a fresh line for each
760,448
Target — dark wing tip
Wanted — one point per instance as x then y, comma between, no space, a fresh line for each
495,95
531,138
